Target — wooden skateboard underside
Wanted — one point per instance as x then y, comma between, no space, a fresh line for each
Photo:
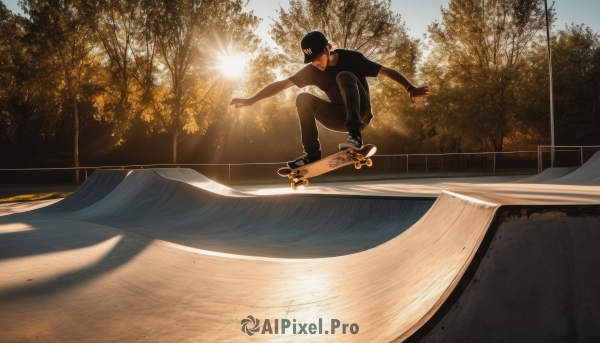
327,164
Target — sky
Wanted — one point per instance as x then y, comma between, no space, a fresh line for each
417,14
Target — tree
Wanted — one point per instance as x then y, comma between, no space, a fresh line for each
576,65
187,37
478,52
28,107
12,56
62,43
127,43
368,26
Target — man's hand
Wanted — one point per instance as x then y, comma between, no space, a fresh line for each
413,92
416,93
238,102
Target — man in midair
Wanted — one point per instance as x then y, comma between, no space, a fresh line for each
341,74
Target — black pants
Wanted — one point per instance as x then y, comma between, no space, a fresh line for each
351,117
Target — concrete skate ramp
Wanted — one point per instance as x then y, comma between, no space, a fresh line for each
94,189
549,174
467,271
587,172
192,177
593,182
534,278
131,286
268,226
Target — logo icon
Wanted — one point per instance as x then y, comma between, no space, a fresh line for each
253,321
307,51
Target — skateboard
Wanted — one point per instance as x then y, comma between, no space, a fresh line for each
358,157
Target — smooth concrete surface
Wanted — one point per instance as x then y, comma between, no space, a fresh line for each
302,226
193,178
97,280
593,182
501,189
549,175
587,172
536,280
24,206
490,258
94,189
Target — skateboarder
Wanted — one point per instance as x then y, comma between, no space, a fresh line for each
341,74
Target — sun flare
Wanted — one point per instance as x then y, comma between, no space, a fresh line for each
233,65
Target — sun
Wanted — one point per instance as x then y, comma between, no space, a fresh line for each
233,65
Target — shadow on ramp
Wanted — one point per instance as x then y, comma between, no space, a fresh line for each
288,226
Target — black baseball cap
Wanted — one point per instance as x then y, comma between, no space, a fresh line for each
313,44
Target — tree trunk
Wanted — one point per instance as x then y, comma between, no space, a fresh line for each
497,141
174,148
76,116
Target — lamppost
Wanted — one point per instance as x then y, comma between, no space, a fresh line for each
551,90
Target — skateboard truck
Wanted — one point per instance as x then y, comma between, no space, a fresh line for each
361,161
297,183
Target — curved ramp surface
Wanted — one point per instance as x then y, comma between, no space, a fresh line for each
535,278
94,189
466,266
267,226
549,174
192,177
123,286
593,182
587,172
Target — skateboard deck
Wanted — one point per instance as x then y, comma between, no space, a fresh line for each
358,157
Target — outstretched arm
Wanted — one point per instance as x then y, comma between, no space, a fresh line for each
396,76
414,92
267,92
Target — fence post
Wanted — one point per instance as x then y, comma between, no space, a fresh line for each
581,155
539,159
86,173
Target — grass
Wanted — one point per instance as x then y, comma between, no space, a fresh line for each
36,196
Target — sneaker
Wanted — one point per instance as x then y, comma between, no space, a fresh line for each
354,142
304,160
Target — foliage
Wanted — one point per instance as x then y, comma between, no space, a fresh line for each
186,34
577,80
478,52
122,34
145,74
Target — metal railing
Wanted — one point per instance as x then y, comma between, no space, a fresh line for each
568,155
389,166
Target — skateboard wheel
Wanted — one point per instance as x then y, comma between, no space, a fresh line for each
294,187
305,183
369,162
357,165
